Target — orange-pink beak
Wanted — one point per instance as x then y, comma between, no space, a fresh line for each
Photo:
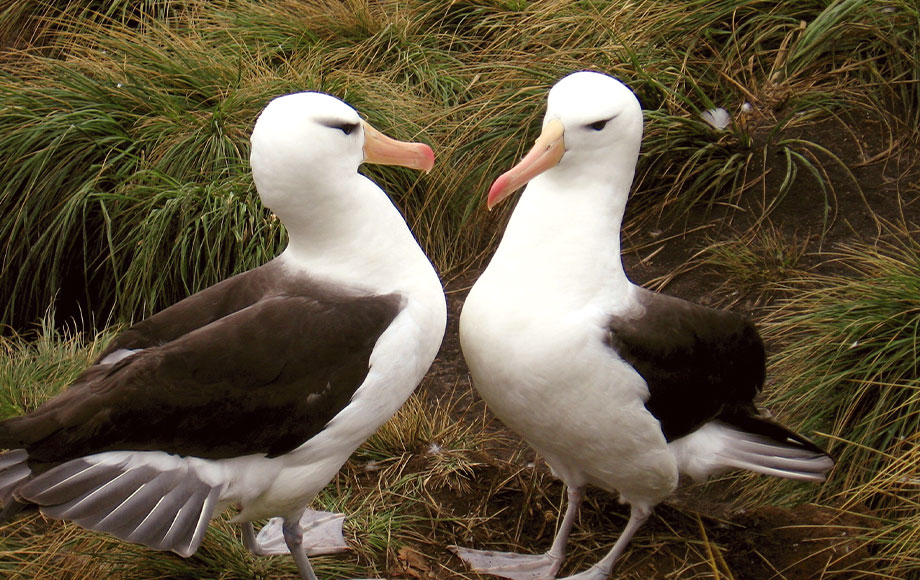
383,150
547,151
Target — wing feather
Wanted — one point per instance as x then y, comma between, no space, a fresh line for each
263,379
164,508
698,362
199,309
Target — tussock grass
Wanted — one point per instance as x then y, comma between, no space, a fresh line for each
851,343
757,262
97,194
848,369
125,99
36,366
33,21
125,186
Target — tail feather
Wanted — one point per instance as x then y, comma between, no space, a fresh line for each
761,455
769,430
93,505
718,447
14,471
188,528
122,520
65,482
758,445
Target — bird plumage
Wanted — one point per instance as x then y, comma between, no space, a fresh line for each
616,386
254,391
237,364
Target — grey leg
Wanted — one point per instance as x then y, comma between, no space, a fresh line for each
249,540
602,570
527,566
293,537
557,550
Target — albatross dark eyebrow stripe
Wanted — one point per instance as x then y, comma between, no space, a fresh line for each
341,124
601,123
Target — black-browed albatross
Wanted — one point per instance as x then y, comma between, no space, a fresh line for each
256,390
614,385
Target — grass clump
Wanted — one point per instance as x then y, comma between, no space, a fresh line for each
127,178
851,351
848,369
35,23
129,98
757,262
36,366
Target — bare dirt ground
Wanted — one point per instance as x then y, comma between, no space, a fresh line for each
801,543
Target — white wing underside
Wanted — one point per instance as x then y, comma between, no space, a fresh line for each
148,498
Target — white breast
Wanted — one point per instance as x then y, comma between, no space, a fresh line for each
532,331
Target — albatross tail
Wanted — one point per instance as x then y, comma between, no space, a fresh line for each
756,444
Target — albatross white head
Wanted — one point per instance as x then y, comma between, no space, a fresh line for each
308,142
306,150
591,137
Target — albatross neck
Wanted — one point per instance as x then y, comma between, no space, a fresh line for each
562,231
352,228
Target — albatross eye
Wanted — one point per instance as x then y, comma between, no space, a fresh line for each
598,125
347,128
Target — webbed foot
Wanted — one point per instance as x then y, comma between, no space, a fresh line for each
322,534
510,565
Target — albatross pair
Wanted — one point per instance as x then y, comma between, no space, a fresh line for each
254,391
615,386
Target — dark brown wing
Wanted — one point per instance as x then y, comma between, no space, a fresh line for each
263,379
699,363
202,308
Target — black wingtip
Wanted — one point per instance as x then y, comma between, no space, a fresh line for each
766,427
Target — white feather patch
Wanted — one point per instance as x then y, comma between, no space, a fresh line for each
150,498
719,118
717,447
